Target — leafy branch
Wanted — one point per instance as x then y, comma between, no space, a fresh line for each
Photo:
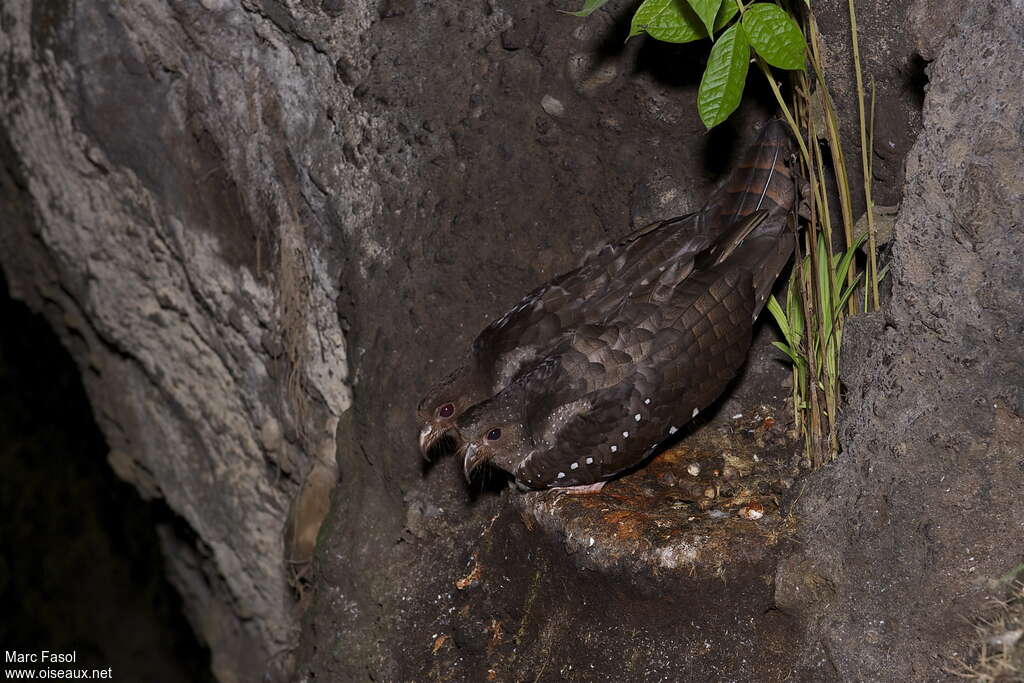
767,29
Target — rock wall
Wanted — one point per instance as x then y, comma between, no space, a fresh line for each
164,168
905,536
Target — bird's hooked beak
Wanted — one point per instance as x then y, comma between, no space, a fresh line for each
472,460
430,435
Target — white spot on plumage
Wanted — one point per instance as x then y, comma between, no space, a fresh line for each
672,430
647,401
574,466
561,475
590,461
637,417
625,435
614,448
695,411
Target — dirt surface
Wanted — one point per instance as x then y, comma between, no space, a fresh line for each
666,570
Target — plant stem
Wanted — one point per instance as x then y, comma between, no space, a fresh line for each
865,154
836,148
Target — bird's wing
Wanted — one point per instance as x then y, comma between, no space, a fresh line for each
746,221
626,385
583,429
514,343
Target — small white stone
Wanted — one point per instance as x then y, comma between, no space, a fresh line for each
561,475
695,411
552,106
614,448
672,430
753,512
693,469
647,401
637,417
625,435
590,461
574,466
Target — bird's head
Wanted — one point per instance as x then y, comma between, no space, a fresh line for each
492,432
444,403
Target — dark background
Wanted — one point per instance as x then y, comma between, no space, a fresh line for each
80,562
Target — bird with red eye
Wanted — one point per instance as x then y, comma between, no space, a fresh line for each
644,289
590,373
438,411
515,342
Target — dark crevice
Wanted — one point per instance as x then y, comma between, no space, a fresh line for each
80,562
917,78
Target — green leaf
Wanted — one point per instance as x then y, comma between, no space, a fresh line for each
725,14
824,291
589,7
794,313
780,318
847,259
722,85
845,296
672,21
786,350
774,35
707,10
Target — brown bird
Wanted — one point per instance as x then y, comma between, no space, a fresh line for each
654,348
639,271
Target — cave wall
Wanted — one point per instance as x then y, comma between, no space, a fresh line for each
264,227
907,534
161,208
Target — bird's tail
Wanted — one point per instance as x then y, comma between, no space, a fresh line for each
762,181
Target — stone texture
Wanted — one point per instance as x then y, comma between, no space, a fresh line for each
160,207
910,528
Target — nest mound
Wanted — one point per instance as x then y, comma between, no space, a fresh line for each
714,499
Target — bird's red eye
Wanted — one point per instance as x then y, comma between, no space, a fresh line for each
447,410
494,434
